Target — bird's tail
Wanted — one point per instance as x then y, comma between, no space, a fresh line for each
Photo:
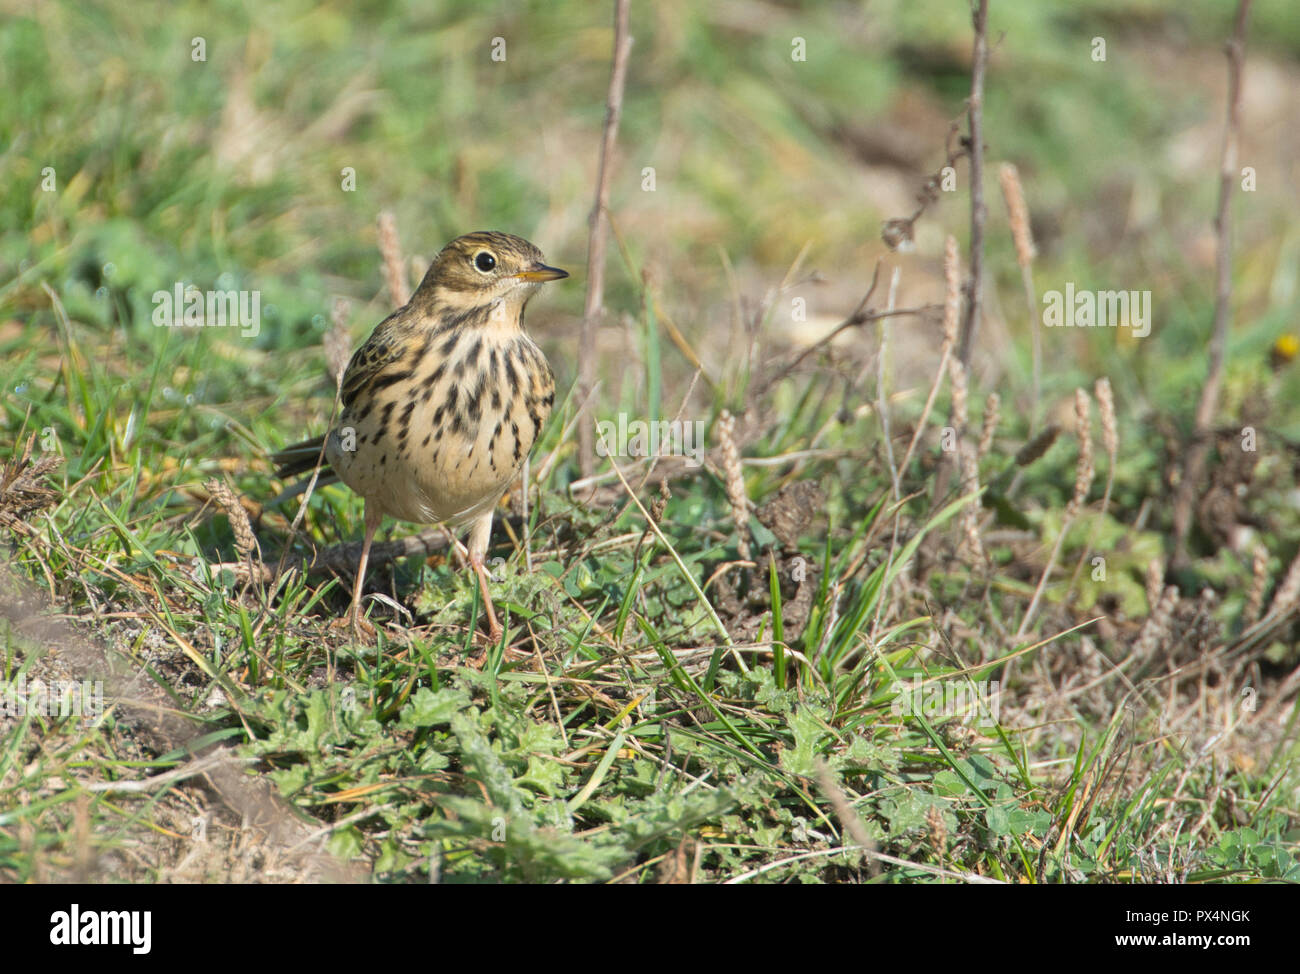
302,458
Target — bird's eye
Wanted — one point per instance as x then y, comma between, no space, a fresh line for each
485,261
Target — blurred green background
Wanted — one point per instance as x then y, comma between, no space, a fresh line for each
227,172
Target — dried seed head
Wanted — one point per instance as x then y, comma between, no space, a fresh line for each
952,291
1036,447
938,831
1017,214
1084,468
245,540
1258,582
1155,632
969,469
338,340
992,406
970,513
398,286
960,406
660,503
1109,427
735,478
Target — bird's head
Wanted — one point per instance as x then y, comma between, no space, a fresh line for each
487,269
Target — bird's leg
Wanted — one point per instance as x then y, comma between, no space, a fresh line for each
372,518
478,545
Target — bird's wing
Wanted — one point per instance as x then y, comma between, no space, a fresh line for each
378,362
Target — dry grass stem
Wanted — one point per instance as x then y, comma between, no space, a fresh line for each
847,815
597,237
1194,465
23,490
978,211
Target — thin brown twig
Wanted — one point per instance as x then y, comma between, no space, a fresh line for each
596,238
1194,464
857,317
978,211
900,232
853,321
847,814
974,286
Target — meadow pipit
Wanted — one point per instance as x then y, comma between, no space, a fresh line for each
443,401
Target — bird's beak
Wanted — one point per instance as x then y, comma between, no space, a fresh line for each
540,273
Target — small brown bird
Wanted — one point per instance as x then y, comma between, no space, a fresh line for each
443,401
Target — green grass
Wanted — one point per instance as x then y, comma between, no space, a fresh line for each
654,714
